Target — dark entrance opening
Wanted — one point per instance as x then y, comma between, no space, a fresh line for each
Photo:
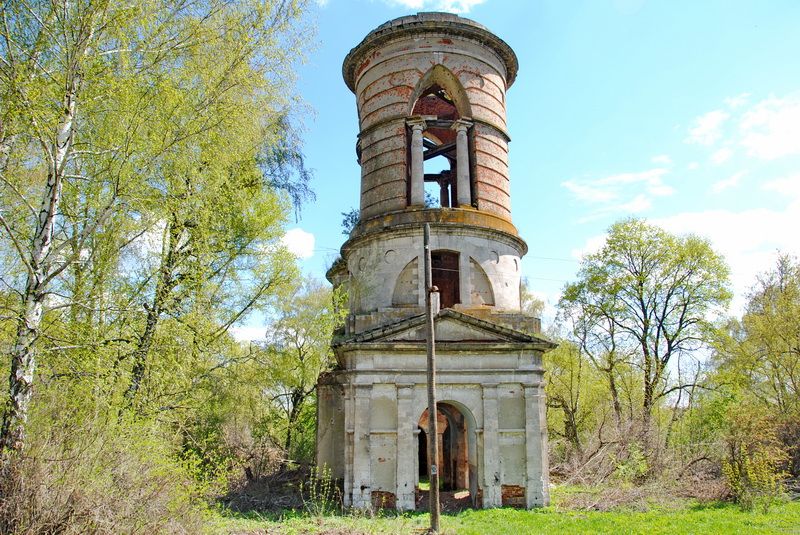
457,458
453,460
444,268
422,453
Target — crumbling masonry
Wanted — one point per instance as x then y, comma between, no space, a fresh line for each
431,88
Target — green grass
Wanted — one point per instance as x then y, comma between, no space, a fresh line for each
713,518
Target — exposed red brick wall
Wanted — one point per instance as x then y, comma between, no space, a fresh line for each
512,495
385,86
432,105
382,499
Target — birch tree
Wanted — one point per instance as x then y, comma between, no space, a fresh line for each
113,115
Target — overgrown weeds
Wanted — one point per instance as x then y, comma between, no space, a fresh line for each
321,494
752,466
107,478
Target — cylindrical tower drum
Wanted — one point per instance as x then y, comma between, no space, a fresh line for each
431,88
448,75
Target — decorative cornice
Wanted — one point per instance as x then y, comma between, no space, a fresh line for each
397,118
409,222
429,23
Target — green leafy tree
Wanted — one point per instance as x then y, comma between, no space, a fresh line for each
123,122
298,351
646,299
753,456
758,358
528,302
768,353
575,397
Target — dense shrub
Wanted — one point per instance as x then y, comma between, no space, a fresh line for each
102,477
753,460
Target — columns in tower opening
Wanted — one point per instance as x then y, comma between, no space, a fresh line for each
417,196
418,155
462,163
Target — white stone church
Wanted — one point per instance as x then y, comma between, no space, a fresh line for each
433,148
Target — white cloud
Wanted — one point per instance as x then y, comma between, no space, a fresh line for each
721,156
152,240
299,242
786,187
638,204
748,239
707,128
661,159
692,166
727,183
621,193
591,246
767,129
450,6
246,333
650,179
771,128
144,251
588,193
738,100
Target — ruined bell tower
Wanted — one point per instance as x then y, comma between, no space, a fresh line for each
433,148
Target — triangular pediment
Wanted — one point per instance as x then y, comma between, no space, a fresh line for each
447,330
449,326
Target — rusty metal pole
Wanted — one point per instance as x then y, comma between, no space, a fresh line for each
433,431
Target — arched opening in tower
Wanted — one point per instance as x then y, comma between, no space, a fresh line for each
439,175
445,275
453,454
439,146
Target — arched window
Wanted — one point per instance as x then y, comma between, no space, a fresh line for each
439,147
439,155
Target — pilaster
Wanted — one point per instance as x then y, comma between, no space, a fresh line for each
491,449
406,462
349,411
362,485
538,492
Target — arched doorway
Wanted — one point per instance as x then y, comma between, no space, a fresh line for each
457,456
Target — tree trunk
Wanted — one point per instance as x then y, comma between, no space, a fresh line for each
297,398
649,387
612,386
571,430
164,286
23,356
647,413
6,146
23,366
142,350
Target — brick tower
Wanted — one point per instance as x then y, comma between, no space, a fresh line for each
433,148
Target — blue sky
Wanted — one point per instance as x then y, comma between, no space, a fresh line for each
685,113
